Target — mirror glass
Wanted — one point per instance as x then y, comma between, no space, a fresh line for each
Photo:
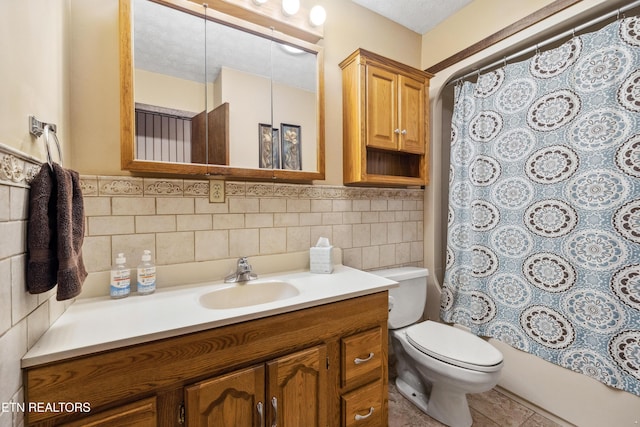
213,97
169,76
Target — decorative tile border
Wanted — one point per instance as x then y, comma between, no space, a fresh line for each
164,187
17,168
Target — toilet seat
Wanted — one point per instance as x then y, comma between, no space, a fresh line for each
454,346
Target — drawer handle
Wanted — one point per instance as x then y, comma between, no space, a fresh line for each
359,417
358,361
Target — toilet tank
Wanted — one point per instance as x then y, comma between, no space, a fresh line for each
406,302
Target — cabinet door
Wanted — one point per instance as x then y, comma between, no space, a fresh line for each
411,115
382,109
231,400
297,386
138,414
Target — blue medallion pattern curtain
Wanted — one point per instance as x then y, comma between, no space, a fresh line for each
543,249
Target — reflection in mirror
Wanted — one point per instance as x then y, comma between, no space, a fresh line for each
214,97
169,83
238,80
295,94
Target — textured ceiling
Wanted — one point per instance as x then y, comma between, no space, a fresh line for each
417,15
170,42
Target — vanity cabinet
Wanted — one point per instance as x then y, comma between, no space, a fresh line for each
385,121
298,364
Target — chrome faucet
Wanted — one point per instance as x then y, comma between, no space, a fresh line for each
243,272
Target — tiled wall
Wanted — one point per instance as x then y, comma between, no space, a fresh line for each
374,227
23,317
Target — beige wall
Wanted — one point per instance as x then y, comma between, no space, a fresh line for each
34,74
576,398
472,24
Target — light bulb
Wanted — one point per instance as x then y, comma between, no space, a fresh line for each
290,7
317,16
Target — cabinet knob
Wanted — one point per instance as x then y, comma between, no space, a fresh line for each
396,131
359,417
404,131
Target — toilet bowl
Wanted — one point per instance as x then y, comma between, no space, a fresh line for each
436,364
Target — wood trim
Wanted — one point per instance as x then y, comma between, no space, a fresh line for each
506,32
126,86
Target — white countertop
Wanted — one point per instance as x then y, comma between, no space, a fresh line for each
98,324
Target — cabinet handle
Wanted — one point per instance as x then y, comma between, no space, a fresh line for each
358,361
261,412
404,131
274,404
396,131
359,417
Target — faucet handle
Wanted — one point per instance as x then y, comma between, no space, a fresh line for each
243,264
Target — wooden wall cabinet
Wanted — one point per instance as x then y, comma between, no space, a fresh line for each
385,121
322,366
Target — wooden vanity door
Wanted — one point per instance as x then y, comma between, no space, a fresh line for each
298,382
227,401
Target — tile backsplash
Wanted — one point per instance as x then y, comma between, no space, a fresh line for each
173,218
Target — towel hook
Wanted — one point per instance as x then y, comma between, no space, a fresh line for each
48,129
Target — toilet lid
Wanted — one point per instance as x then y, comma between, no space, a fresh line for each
454,346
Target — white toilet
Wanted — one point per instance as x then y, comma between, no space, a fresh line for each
437,364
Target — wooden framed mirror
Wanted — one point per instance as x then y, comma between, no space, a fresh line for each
200,90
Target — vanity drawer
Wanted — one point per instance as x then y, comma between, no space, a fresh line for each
361,356
363,406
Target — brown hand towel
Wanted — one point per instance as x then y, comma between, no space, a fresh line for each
70,231
42,261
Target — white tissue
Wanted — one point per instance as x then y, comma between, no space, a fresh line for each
323,242
320,257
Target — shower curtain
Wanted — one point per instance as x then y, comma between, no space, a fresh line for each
543,249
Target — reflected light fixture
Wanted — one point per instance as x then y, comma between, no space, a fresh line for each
290,7
317,16
259,2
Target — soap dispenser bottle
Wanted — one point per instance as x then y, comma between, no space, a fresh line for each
120,278
146,275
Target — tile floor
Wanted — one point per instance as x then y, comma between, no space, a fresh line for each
489,409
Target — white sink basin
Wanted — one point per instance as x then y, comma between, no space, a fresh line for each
247,294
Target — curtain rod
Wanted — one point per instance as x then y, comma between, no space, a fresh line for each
550,40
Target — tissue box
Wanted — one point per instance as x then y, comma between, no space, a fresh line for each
320,259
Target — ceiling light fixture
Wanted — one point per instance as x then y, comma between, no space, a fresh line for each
317,16
259,2
290,7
